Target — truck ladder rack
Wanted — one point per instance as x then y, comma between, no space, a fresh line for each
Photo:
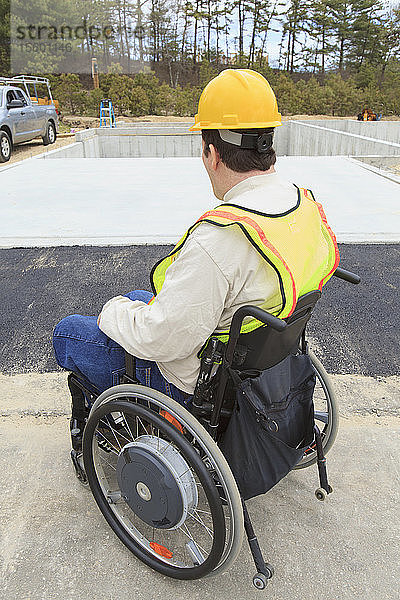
25,81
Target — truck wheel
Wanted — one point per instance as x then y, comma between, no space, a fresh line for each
5,147
51,135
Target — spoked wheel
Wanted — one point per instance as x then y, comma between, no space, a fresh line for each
326,413
162,483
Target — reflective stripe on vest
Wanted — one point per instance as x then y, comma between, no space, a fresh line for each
278,239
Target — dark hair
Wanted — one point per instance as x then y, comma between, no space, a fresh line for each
239,159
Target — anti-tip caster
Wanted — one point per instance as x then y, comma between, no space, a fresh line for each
260,581
269,570
321,494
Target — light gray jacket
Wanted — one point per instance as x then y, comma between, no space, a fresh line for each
216,272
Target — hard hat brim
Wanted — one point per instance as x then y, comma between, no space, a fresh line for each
198,126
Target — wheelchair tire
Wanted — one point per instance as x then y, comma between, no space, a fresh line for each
327,419
182,440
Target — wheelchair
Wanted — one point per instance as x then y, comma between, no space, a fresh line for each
156,469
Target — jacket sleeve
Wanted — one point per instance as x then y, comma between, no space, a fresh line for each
181,318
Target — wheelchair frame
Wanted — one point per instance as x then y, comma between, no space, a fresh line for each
209,406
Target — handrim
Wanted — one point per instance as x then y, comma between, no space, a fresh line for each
219,464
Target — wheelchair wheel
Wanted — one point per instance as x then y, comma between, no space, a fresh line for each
326,413
162,483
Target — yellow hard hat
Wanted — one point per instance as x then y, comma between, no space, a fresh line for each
237,99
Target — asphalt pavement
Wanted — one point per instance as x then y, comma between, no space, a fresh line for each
354,329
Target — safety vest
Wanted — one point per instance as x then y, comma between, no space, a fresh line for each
298,244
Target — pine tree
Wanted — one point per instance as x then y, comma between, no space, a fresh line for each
365,44
319,28
294,19
341,13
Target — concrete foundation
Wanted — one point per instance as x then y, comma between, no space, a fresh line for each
381,130
130,143
294,138
152,185
307,139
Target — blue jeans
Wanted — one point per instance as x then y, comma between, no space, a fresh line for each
80,346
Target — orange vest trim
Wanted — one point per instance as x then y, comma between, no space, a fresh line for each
332,236
232,217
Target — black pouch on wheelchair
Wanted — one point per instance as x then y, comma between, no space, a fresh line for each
271,424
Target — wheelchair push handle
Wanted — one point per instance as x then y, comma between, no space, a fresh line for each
256,313
347,276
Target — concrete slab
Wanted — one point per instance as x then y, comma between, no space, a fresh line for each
153,200
56,544
361,205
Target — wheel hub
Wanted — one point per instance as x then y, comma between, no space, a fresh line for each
5,145
143,491
156,482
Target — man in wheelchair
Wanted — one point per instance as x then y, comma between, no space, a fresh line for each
266,245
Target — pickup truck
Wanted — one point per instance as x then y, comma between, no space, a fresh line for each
22,118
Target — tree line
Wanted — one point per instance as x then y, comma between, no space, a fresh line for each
145,94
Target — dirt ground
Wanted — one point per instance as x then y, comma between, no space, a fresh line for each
76,122
394,169
35,147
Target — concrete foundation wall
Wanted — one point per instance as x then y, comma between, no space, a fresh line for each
307,139
75,150
281,139
91,147
382,130
149,145
294,138
148,126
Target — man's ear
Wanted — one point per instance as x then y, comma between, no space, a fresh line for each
215,157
